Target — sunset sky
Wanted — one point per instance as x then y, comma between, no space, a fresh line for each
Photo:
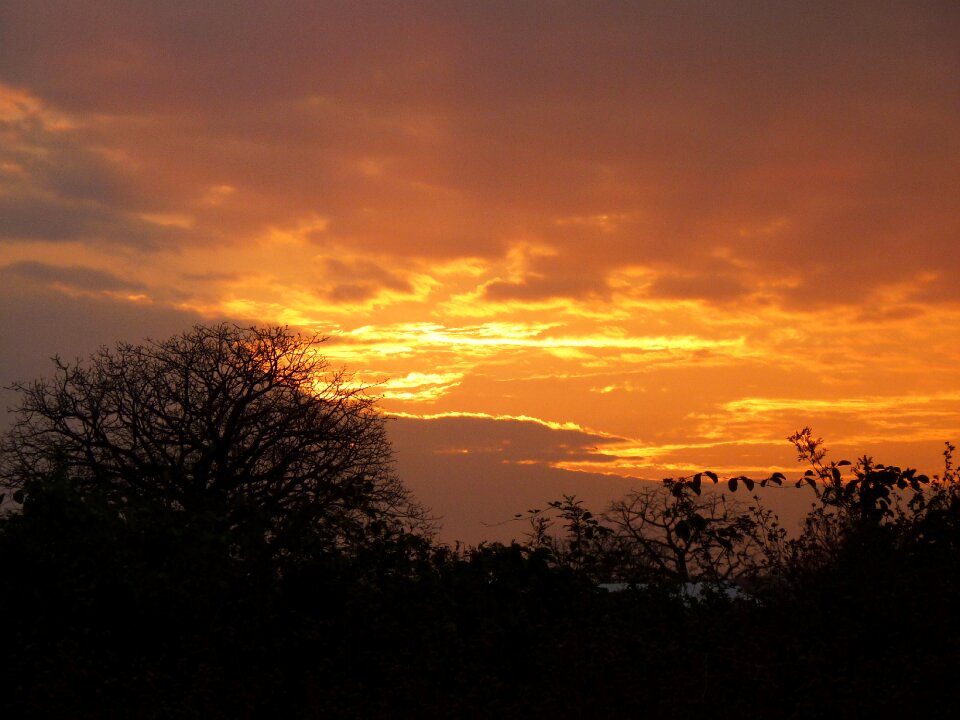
573,244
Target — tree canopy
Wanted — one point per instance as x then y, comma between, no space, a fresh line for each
250,426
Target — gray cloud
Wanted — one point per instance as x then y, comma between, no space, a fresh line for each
712,287
359,280
57,184
477,493
509,441
35,217
74,276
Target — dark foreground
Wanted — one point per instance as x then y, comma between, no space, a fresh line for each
163,618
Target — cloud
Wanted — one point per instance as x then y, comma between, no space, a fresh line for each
716,288
419,387
511,440
55,186
43,218
358,280
70,276
691,130
477,472
537,272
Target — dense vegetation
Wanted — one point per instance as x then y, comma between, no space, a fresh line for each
212,579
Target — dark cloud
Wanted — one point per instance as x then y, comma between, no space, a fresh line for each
57,184
72,276
544,288
351,292
211,277
359,280
710,287
570,273
885,314
38,323
510,441
477,493
46,218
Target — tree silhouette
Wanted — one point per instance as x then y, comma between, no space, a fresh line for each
248,427
669,532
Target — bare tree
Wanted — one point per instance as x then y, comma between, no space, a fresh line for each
235,422
668,532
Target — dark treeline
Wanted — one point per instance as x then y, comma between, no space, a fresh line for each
197,528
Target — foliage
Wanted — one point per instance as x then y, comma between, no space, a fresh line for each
249,428
672,534
584,546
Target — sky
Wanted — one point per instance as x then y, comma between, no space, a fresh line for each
574,246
